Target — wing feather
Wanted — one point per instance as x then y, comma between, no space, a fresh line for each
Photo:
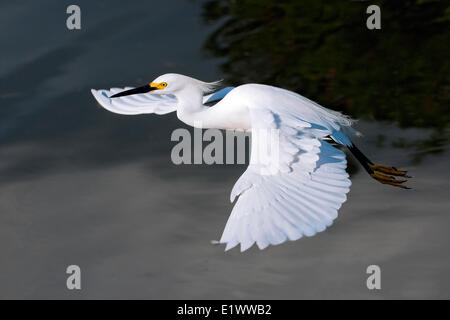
298,190
135,104
146,103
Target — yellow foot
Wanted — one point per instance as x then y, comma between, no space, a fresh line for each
389,170
386,175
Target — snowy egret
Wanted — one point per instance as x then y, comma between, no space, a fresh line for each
309,184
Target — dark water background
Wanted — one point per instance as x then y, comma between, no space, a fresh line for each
80,185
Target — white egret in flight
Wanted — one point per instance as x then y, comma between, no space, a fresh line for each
309,184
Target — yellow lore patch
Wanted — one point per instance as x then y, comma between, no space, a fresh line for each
159,86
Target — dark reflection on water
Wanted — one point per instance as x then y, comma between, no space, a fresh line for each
323,49
80,185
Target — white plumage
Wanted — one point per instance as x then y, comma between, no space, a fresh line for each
146,103
300,186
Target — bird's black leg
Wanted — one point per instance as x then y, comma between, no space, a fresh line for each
383,174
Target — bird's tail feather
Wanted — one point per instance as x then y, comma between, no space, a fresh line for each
383,174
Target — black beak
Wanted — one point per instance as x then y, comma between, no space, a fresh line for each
143,89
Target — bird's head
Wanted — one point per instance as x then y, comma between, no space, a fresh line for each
169,83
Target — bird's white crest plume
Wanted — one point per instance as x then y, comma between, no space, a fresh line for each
301,193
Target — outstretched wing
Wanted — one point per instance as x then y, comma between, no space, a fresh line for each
135,104
146,102
298,187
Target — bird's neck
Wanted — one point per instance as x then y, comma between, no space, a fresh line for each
190,106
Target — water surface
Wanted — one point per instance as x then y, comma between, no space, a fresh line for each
79,185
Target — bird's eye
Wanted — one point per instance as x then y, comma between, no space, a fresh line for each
164,84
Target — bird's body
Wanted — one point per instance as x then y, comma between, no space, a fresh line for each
291,189
233,111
